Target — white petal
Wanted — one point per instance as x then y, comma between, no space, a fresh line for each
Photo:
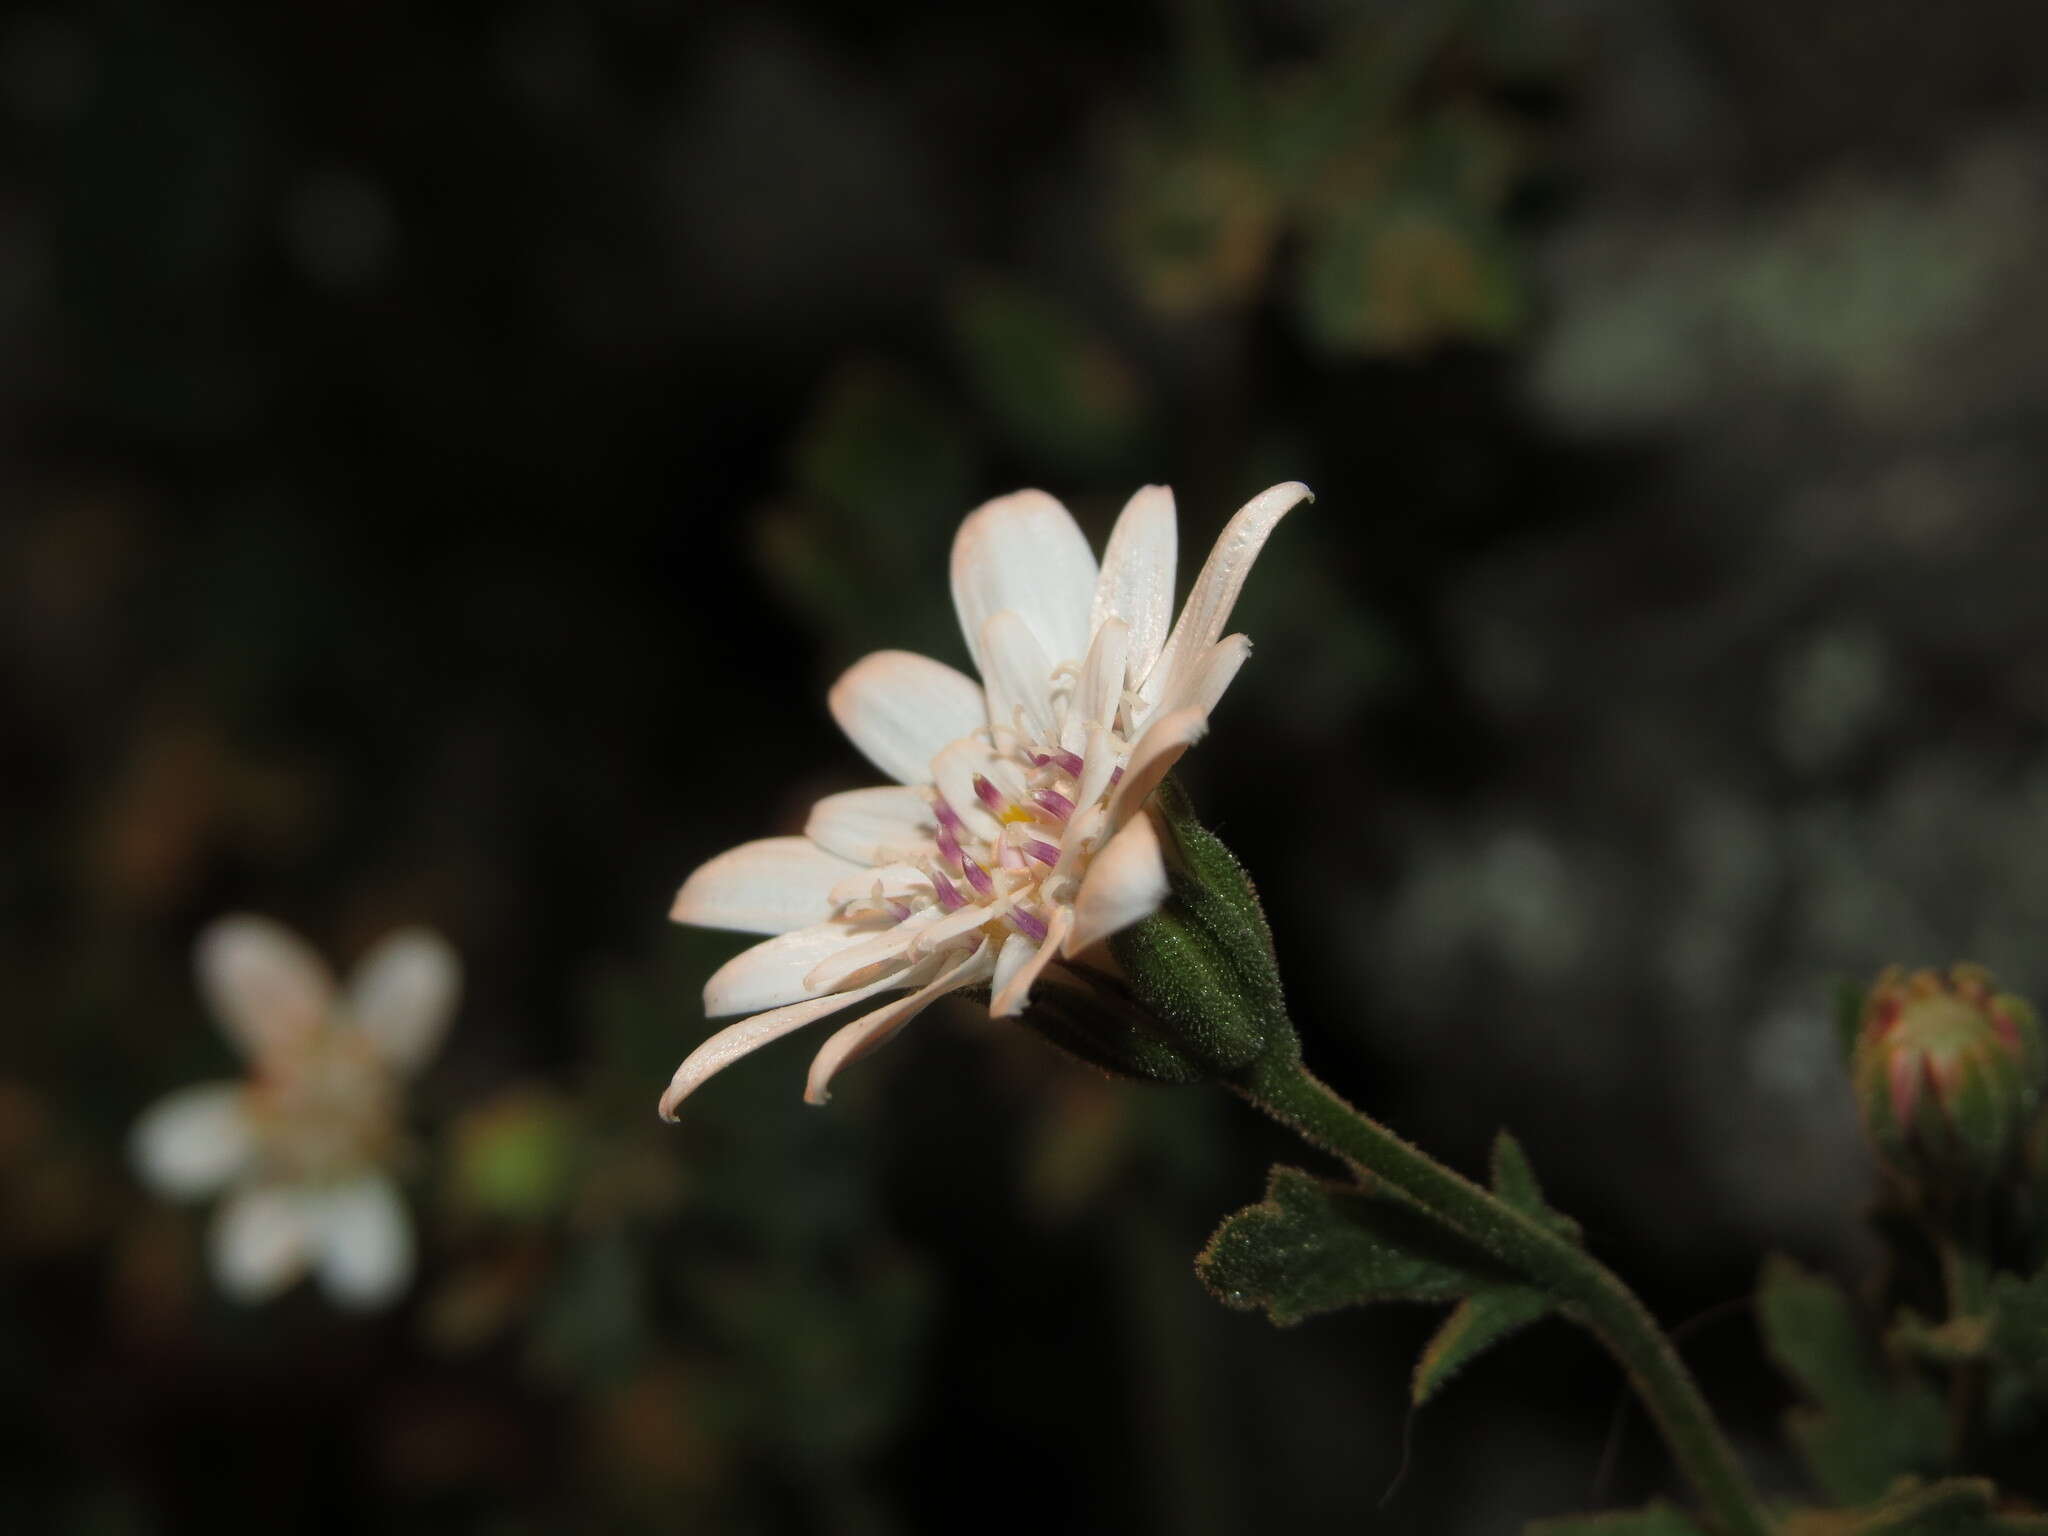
892,948
882,880
900,708
1013,993
772,972
871,1031
1099,759
261,1240
1101,687
403,994
1018,674
1024,552
192,1142
364,1242
1215,591
749,1035
1161,746
1125,884
769,886
872,826
265,984
1203,685
1016,952
1136,584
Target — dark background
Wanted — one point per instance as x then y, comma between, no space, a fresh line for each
446,452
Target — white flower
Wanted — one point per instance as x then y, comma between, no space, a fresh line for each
304,1147
1015,834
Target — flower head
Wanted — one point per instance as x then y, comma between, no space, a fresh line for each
306,1144
1017,833
1948,1072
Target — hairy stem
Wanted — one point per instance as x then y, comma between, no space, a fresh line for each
1585,1288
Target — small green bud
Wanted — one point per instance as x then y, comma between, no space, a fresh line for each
1947,1073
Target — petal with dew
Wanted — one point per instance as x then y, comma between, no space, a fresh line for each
261,1240
402,995
1126,884
771,885
874,1030
901,708
1215,591
772,972
193,1142
1162,745
264,983
1136,584
750,1034
1019,676
363,1244
1012,993
873,826
1025,553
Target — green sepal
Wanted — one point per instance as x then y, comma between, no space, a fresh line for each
1311,1247
1861,1430
1484,1318
1658,1519
1107,1029
1953,1507
1203,964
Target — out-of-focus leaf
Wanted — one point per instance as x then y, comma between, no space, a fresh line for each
1652,1520
1863,1430
2019,1327
1058,389
1953,1507
513,1158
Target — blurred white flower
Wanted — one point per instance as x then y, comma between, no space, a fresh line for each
1016,833
305,1147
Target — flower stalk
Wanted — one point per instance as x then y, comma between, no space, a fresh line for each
1585,1288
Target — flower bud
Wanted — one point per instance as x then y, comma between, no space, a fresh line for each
1947,1073
1202,966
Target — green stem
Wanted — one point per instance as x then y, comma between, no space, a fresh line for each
1959,1241
1587,1290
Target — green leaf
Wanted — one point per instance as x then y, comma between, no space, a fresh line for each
2019,1323
1862,1430
1311,1247
1653,1520
1475,1325
1486,1317
1952,1507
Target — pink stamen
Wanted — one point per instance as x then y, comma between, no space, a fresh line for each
990,795
1114,775
949,818
1066,762
1028,923
1052,801
897,910
977,877
1007,856
1044,852
949,846
949,894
